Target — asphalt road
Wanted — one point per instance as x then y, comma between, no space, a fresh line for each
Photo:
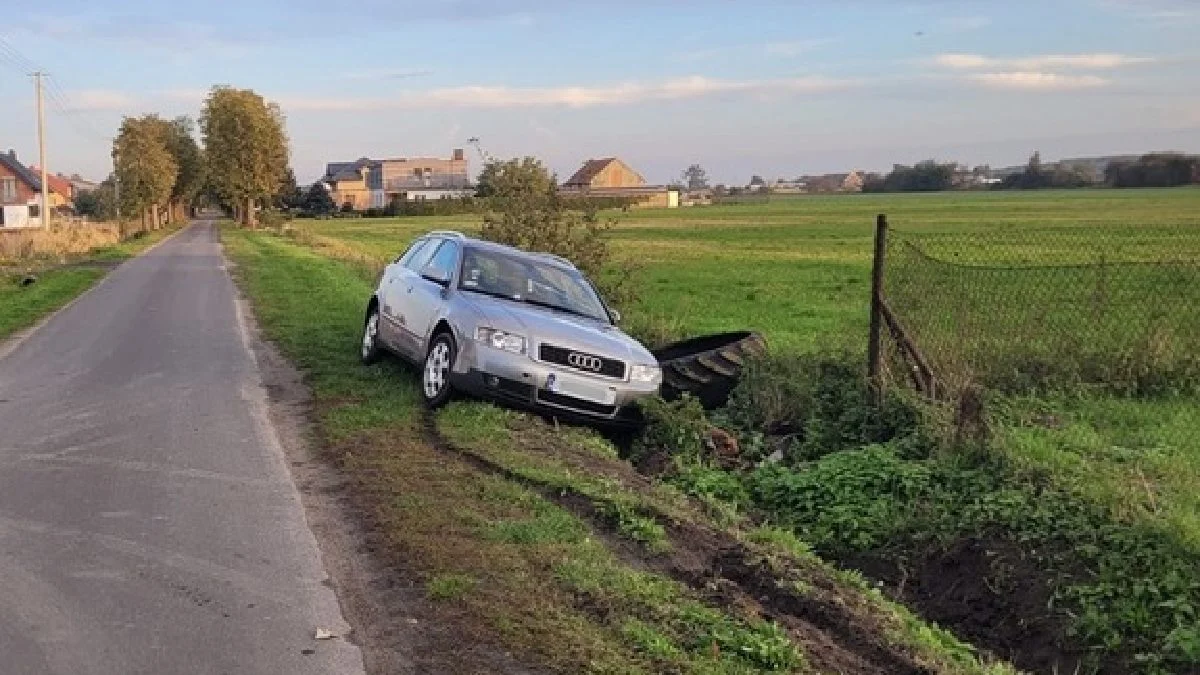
148,520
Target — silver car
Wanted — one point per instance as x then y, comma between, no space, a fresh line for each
527,329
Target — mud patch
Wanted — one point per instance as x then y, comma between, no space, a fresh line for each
989,592
838,632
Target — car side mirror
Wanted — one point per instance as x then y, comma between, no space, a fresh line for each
437,276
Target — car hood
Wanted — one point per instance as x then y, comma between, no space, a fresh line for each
543,325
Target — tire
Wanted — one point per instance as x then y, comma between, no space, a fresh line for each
707,367
435,371
370,351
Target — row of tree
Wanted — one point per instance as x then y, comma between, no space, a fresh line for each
1152,170
161,172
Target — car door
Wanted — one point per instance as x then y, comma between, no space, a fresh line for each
395,302
428,297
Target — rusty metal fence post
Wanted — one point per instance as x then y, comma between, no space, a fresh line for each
874,340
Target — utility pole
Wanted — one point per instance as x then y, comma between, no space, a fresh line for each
41,115
117,180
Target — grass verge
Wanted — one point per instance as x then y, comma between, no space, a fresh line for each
21,305
505,564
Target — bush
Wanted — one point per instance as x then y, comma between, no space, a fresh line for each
820,405
677,428
525,210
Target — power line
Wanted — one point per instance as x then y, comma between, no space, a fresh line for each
14,56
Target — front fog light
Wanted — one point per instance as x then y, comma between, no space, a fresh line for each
641,373
498,339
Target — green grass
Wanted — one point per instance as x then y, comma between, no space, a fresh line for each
525,572
22,306
797,269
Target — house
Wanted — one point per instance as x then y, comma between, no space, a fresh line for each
20,198
347,183
374,183
853,182
81,184
610,177
62,192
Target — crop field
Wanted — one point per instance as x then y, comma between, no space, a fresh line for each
1094,493
798,268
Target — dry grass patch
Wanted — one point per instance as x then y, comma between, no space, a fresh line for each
57,243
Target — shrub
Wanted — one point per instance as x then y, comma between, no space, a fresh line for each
819,405
525,210
677,428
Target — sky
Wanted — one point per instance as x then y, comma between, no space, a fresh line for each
769,87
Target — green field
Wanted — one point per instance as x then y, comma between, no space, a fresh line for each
798,269
1119,475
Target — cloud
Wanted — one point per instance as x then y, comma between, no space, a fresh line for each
1037,81
491,97
1042,62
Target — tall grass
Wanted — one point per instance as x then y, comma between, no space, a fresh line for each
57,243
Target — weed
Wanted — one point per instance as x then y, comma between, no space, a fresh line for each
449,586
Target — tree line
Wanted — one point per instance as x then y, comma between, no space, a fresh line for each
1162,169
161,173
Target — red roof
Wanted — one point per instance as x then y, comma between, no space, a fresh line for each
591,168
60,184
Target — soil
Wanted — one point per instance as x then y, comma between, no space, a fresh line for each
990,593
394,624
838,633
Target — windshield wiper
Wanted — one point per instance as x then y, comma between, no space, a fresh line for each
494,294
560,308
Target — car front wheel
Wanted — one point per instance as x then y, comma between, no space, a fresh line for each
435,376
370,340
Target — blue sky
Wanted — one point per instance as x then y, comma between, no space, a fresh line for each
774,88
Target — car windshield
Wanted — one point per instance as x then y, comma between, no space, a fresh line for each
527,280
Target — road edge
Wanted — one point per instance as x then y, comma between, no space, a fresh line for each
11,343
353,574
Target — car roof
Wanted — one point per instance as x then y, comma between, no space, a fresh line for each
491,246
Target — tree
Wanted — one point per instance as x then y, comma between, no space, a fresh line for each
289,195
695,177
145,166
524,210
189,177
99,203
926,176
1161,169
1037,175
245,148
515,176
318,201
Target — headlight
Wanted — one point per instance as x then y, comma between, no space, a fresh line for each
498,339
641,373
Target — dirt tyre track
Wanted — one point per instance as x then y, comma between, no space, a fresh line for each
707,367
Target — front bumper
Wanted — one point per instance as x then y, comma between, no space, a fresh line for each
517,380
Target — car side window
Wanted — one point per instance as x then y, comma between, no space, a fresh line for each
420,258
445,260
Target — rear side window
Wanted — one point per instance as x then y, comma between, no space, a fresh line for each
418,258
445,259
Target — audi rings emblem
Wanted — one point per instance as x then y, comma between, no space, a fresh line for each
585,362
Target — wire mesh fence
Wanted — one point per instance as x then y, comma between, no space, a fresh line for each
1056,308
